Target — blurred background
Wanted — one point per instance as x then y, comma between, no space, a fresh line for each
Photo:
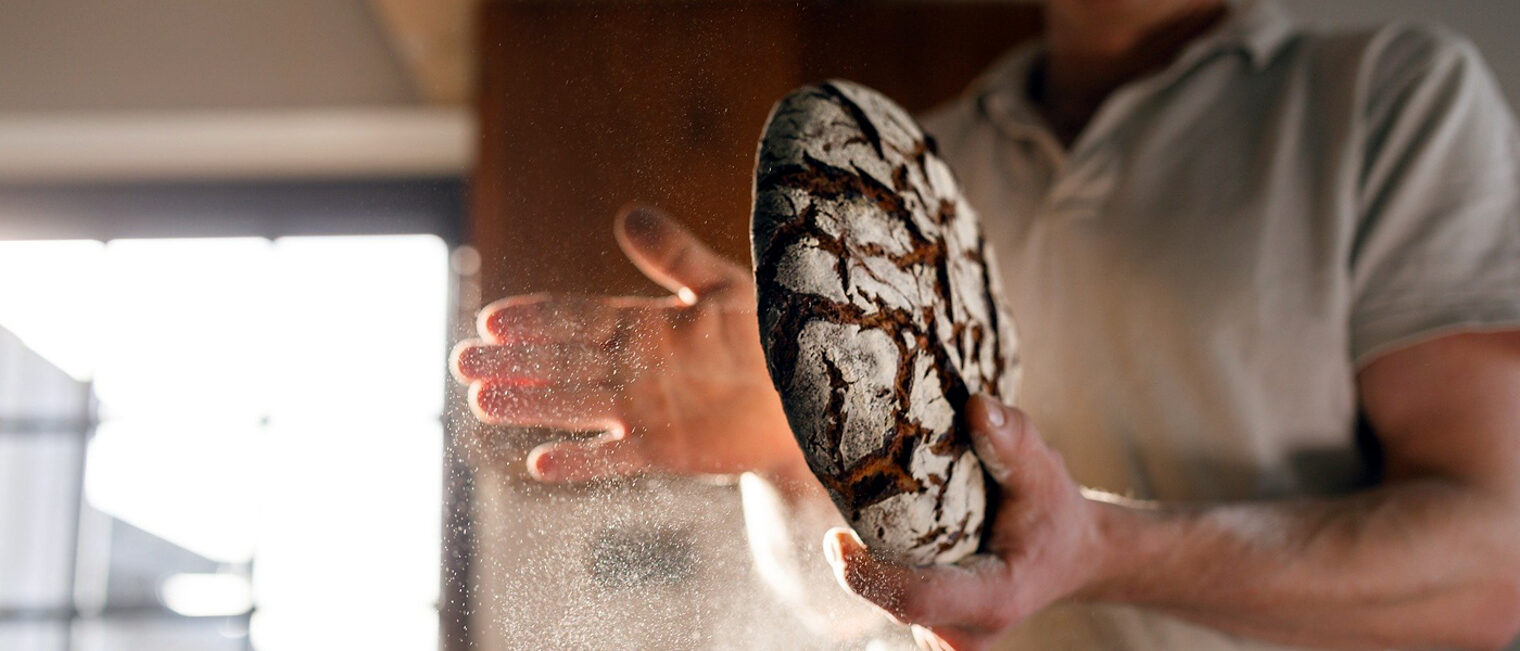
224,301
238,236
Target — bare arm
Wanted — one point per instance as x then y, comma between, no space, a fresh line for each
1429,558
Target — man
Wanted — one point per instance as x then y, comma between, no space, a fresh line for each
1226,244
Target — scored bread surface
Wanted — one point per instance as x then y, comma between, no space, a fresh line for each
880,316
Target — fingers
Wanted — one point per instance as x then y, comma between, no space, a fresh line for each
539,318
671,256
607,456
968,595
573,408
548,363
927,640
603,457
998,434
565,341
947,638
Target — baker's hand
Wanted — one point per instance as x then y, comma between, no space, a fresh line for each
1044,545
677,384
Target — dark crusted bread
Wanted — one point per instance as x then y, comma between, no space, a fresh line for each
880,316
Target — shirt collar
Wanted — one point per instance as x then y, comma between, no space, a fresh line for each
1258,29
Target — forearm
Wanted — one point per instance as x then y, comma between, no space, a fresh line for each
1420,562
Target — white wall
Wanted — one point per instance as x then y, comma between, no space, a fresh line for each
1491,24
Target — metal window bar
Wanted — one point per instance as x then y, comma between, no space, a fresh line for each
455,594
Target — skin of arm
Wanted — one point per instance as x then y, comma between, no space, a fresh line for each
1431,557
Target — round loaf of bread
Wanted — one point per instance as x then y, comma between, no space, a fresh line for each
880,317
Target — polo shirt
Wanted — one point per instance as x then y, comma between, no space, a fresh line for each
1197,279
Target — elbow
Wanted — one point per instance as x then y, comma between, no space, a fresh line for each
1487,614
1504,627
1500,605
1495,636
1495,618
1481,605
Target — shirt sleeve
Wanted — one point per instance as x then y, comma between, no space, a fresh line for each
1437,242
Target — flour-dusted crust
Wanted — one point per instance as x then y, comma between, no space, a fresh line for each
880,316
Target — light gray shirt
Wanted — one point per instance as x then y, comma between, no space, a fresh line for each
1197,280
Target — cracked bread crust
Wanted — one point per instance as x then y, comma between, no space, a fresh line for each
880,316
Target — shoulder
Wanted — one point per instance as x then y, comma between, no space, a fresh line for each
1403,49
1390,48
1383,55
1372,79
1389,62
1402,57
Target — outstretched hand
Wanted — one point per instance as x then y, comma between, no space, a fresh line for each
1044,545
677,384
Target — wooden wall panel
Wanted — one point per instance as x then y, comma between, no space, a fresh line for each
586,107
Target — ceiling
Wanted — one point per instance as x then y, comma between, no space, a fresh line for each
146,55
124,90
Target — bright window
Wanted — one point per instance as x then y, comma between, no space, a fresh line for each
222,443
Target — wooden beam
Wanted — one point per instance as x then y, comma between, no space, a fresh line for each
432,39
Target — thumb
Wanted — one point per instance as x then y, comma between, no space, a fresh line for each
999,435
670,255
